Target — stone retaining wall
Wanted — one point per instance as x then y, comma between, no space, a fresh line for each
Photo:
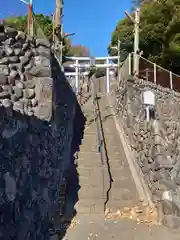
37,107
155,144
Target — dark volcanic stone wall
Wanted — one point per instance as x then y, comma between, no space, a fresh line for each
37,108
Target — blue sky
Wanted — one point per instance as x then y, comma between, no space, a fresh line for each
93,21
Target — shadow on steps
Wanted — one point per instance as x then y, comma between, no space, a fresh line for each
72,179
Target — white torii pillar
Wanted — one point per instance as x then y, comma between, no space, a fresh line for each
77,77
107,76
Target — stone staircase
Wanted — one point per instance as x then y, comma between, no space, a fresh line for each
107,187
91,172
122,191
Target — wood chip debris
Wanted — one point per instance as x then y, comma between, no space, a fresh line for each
145,215
92,236
74,223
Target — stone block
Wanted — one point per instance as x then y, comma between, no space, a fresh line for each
40,71
13,59
21,36
44,111
18,92
16,66
6,103
171,221
163,161
4,60
43,51
3,79
4,70
9,51
10,32
43,89
4,95
170,208
24,60
42,61
28,93
42,42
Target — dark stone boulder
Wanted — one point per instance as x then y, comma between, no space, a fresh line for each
40,71
4,60
8,89
11,32
18,106
18,92
42,42
9,51
24,60
28,93
14,59
6,103
4,69
4,95
21,36
30,84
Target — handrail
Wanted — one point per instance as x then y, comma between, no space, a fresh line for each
96,117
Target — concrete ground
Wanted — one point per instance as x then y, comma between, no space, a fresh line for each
96,228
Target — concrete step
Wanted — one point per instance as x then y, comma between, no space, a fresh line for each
120,184
123,194
112,145
90,206
115,205
89,134
89,148
95,166
117,163
86,182
90,139
83,171
110,140
90,169
90,163
93,129
113,153
88,155
121,173
93,144
92,192
100,179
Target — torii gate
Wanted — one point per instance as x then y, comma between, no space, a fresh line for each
106,65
